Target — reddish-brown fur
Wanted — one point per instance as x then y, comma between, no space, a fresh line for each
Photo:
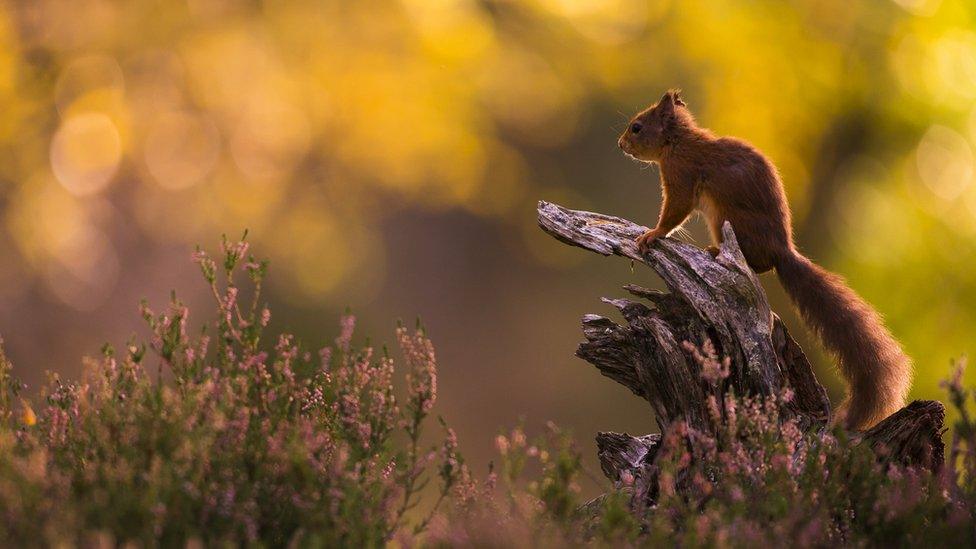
727,179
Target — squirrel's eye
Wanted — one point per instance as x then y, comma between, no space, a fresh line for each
636,127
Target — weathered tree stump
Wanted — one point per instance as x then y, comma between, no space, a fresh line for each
718,299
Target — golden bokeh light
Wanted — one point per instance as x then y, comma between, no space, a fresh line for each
269,139
181,149
608,22
945,162
85,153
451,29
526,93
84,75
85,268
333,129
953,67
925,8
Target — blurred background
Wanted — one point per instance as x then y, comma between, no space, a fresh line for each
388,156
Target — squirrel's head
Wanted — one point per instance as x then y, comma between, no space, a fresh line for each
655,128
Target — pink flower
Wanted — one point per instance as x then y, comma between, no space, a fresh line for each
501,443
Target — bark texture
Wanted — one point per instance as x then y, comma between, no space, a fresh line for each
711,299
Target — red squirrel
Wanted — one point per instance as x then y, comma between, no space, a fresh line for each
727,179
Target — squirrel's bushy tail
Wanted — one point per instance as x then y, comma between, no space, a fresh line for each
878,372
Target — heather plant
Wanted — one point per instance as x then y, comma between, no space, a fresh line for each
233,436
222,436
756,478
751,477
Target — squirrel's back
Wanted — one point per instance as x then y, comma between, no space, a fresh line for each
743,187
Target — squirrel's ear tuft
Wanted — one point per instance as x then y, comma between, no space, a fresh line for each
673,96
676,97
668,101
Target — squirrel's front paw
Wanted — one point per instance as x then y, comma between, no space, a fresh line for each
645,240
